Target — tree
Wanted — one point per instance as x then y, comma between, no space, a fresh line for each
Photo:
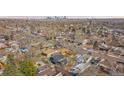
16,68
11,67
12,70
28,68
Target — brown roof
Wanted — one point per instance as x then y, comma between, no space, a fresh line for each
2,46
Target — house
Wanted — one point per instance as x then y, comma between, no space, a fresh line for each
58,45
79,58
59,74
80,66
95,60
1,68
3,38
75,69
23,50
104,47
105,68
3,46
47,52
121,45
50,45
13,47
58,58
120,60
14,44
120,69
118,50
1,65
3,58
120,65
40,63
65,52
46,70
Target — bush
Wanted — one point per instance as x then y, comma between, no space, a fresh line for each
15,68
12,69
28,68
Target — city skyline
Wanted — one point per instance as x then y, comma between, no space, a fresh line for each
69,17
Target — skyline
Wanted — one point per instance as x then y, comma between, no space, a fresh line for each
69,17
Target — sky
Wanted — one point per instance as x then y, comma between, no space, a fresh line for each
72,17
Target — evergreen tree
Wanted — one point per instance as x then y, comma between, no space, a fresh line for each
28,68
11,67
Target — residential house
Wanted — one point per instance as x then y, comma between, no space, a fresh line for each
3,58
58,59
23,50
46,70
3,46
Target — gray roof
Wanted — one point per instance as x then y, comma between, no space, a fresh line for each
58,59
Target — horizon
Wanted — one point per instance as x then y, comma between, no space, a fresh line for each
68,17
